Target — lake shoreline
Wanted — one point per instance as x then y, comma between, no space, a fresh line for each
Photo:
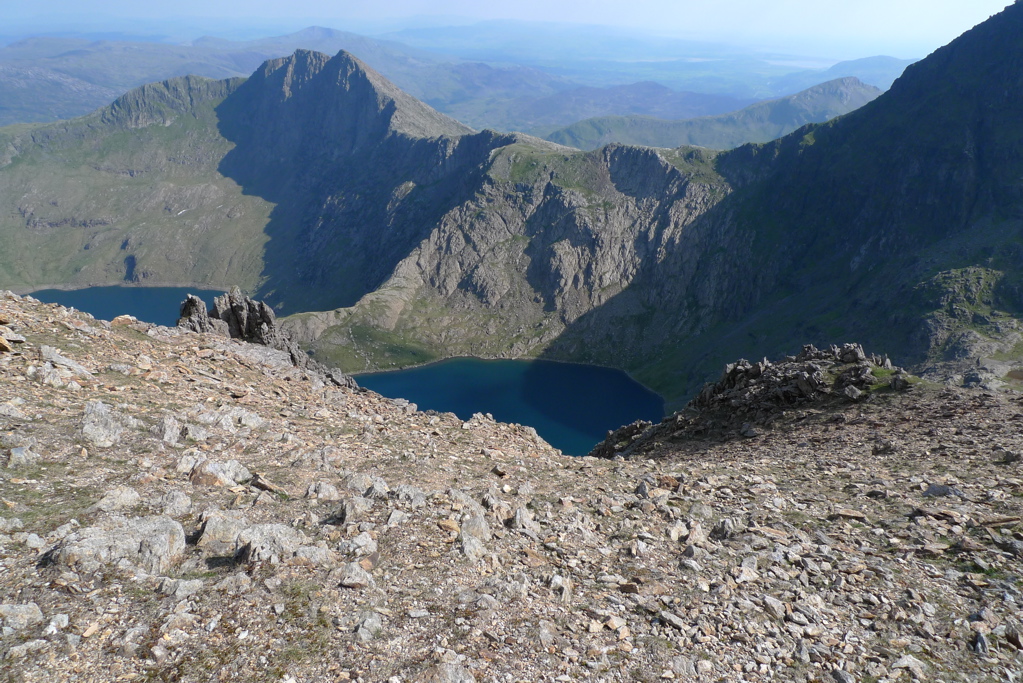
22,291
27,291
571,405
157,305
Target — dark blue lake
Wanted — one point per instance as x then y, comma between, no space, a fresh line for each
571,406
159,305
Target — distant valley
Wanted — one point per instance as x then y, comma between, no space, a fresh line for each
399,235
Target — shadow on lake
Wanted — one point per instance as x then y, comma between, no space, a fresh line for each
571,406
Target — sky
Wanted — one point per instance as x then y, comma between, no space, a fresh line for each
901,28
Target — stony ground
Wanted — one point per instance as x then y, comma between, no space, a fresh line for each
178,506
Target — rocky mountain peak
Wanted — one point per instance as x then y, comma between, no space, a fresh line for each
847,85
342,91
161,103
289,73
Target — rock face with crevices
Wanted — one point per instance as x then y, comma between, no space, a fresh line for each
194,316
234,315
248,320
238,316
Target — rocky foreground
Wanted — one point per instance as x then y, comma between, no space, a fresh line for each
182,506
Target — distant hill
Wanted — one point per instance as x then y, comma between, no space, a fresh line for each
46,79
879,72
541,114
760,122
32,93
601,56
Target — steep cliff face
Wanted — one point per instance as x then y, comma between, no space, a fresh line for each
358,171
162,103
549,236
836,230
306,183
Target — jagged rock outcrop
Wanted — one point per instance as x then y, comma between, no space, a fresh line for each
749,397
755,392
194,316
238,316
249,320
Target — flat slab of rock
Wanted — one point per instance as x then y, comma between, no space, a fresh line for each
269,543
214,473
118,498
20,617
103,426
153,543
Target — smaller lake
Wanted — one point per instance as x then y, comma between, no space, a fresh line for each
159,305
571,406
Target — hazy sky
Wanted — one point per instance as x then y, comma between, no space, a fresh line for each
902,28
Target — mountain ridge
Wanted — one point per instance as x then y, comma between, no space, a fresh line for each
872,221
660,262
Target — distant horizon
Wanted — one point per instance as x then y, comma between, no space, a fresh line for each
771,55
907,30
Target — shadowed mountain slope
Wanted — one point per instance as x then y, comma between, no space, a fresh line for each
358,171
341,171
898,224
895,224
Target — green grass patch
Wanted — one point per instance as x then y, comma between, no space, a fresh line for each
368,347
